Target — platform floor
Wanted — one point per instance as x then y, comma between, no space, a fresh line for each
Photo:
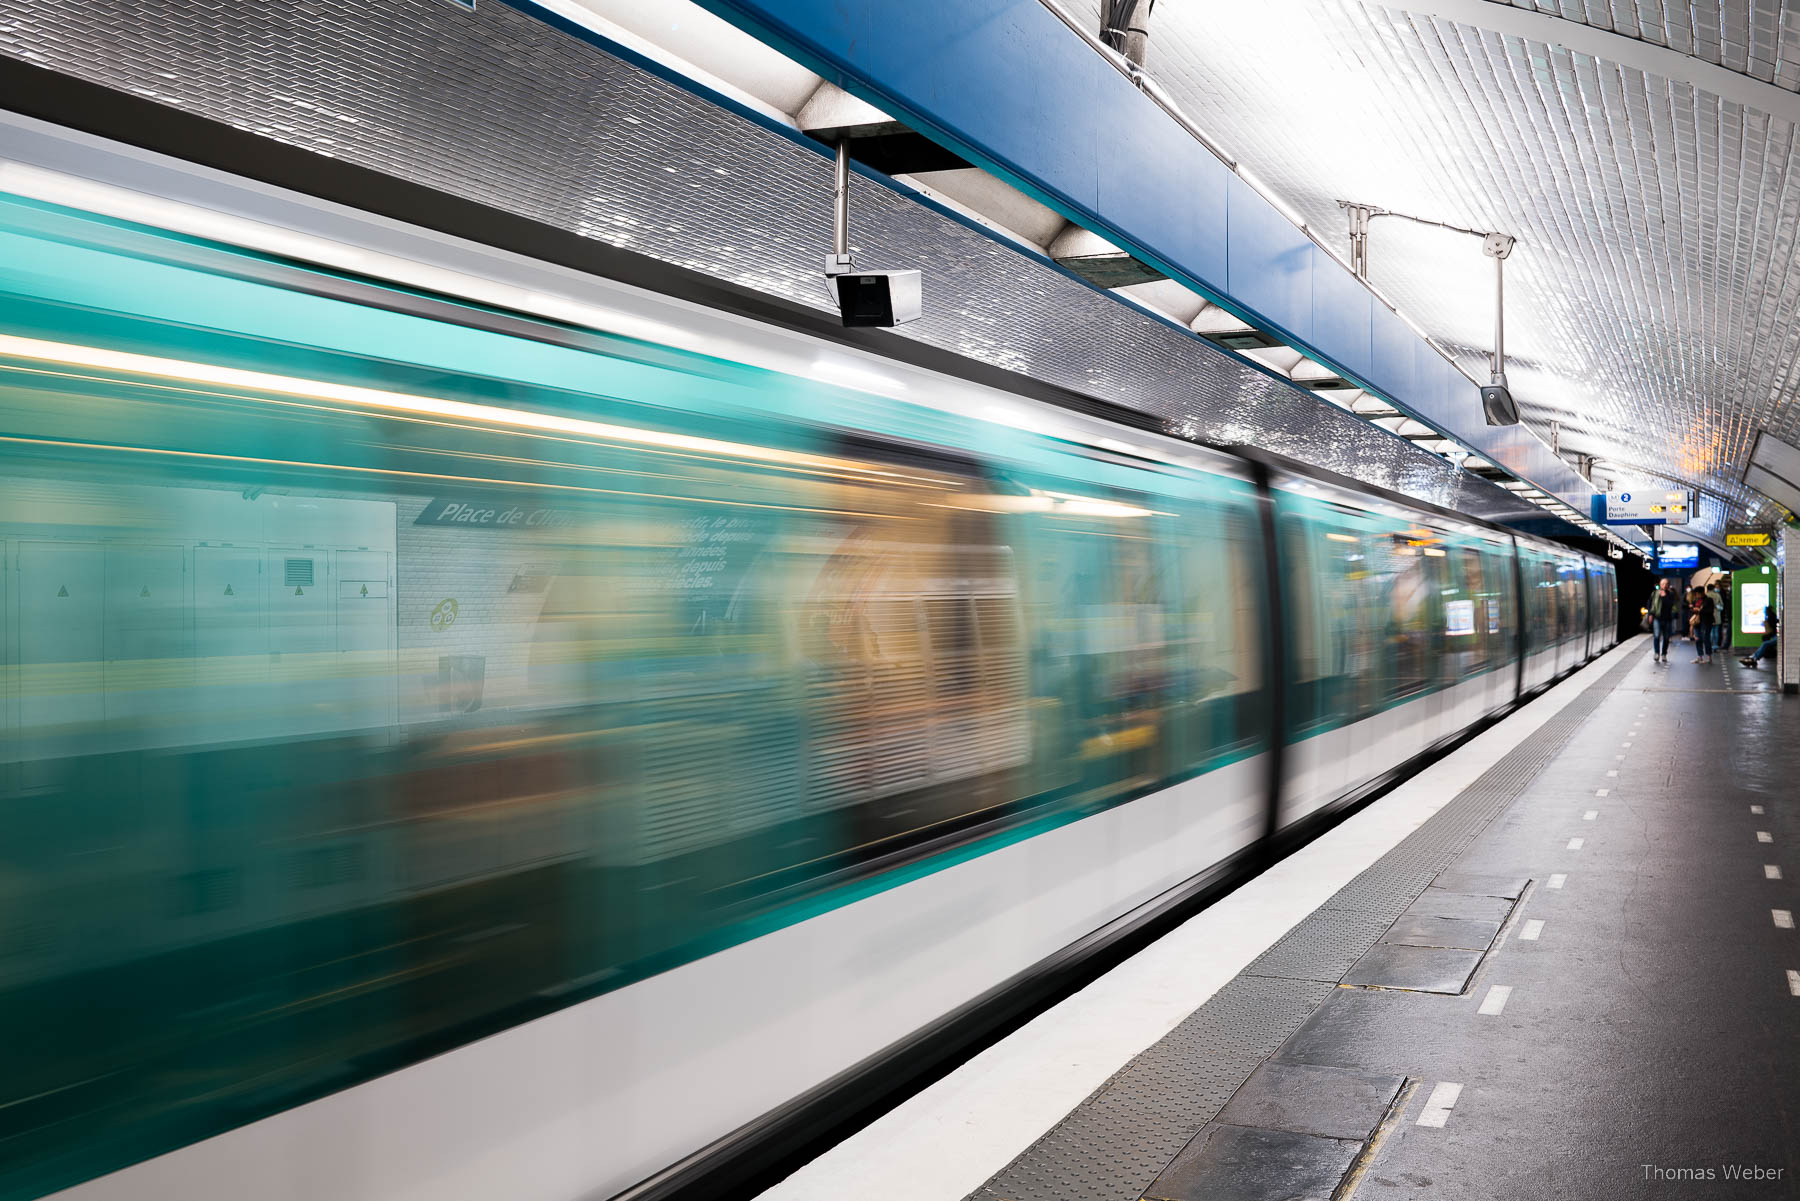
1577,976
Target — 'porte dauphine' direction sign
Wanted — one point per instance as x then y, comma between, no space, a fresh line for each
1645,506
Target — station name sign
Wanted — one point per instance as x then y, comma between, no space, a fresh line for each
472,513
1645,506
1749,535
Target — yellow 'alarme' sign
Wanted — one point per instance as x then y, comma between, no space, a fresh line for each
1748,539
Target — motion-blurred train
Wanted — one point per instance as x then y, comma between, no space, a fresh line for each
472,728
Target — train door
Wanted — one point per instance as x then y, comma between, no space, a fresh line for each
1439,693
1412,644
1500,621
1465,636
1317,730
1550,583
1591,606
1578,605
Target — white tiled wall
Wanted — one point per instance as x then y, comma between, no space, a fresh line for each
1787,606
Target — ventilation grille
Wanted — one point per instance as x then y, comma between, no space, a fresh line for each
299,573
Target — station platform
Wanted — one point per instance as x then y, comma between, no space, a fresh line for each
1559,963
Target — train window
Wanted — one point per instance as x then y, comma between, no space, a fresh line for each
1466,621
1502,622
1219,659
1089,605
1411,638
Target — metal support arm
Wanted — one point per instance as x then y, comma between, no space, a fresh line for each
838,261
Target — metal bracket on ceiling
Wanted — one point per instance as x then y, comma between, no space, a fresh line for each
1496,400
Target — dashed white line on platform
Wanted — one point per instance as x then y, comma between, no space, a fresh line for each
1784,918
1557,880
1590,815
1625,744
1794,982
1613,772
1764,836
1575,844
1440,1103
1621,759
1494,1003
1602,792
1532,930
1756,809
1771,871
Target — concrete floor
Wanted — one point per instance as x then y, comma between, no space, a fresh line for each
1651,1035
1648,1041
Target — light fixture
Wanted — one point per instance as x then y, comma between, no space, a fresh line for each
129,363
854,375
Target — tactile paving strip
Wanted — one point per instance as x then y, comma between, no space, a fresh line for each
1113,1145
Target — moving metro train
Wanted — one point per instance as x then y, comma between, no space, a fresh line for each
477,728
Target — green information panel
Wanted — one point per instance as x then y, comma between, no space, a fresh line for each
1752,591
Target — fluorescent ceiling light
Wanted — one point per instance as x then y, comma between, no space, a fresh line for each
380,399
855,375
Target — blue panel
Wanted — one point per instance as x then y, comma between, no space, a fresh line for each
1270,263
1393,341
1342,316
1185,203
1425,393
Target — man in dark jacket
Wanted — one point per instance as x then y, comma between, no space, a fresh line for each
1665,611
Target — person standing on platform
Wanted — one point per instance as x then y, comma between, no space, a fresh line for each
1665,611
1703,637
1721,624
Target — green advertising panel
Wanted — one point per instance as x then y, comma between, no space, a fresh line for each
1753,589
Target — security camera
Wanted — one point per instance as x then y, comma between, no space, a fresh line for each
1498,405
865,297
879,298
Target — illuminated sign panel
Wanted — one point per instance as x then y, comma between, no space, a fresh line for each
1459,617
1752,599
1649,506
1679,554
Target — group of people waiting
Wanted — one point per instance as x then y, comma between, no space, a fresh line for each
1703,610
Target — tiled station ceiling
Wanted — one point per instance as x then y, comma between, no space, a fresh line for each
1643,152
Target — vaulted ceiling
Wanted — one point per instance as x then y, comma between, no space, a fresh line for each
1643,152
